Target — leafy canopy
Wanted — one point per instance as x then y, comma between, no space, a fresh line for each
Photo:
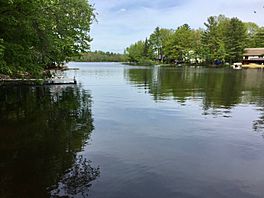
38,33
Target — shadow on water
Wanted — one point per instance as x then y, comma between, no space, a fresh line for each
42,129
219,90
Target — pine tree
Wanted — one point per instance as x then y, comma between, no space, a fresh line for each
235,40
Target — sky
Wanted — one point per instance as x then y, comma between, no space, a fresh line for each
123,22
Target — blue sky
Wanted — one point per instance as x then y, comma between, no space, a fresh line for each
122,22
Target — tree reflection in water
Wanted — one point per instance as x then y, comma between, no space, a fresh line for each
258,125
42,129
219,90
215,87
77,180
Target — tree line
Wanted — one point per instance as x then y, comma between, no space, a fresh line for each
99,56
223,40
35,34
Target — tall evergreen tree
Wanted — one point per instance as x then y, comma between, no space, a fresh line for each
252,29
235,40
146,50
157,42
259,38
210,39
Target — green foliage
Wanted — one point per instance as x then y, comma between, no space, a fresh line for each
99,56
146,62
157,43
255,35
180,44
235,40
221,52
259,38
136,51
43,32
222,41
3,68
252,29
140,53
211,39
147,51
2,49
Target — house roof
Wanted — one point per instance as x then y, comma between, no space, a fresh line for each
254,52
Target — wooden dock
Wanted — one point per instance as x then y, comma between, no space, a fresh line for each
32,82
61,81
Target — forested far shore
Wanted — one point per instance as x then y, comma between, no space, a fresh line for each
99,56
35,35
222,41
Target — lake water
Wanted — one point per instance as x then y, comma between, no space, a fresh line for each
131,132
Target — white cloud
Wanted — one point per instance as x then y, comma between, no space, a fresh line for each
121,23
123,10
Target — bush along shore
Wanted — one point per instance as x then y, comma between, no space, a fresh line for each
36,36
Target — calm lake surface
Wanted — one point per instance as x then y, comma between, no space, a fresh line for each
131,132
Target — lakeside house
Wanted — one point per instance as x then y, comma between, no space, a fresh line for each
253,56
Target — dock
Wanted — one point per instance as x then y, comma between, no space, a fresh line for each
61,81
32,82
253,66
